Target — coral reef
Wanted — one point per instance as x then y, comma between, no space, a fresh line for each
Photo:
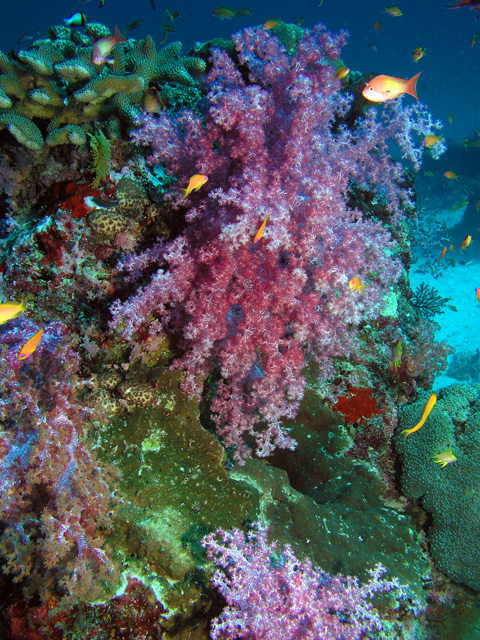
53,93
270,593
253,314
451,493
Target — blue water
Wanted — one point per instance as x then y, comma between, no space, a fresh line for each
449,82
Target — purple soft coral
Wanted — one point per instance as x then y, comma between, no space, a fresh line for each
271,594
275,145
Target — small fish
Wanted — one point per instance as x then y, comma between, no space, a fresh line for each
429,174
383,88
477,294
102,48
224,13
243,12
355,284
76,20
341,73
270,24
451,175
24,38
444,457
261,230
475,143
451,119
393,10
101,3
396,356
194,184
10,310
477,205
474,40
133,25
376,24
373,48
151,101
473,4
466,242
172,15
431,140
459,205
300,21
452,248
425,413
443,252
30,345
418,53
465,142
163,38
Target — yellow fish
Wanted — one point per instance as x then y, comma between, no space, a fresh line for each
194,184
270,24
418,53
396,356
10,310
430,403
394,10
341,73
383,88
30,345
355,284
261,230
444,457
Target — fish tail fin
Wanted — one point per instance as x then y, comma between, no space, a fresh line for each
118,36
411,86
185,193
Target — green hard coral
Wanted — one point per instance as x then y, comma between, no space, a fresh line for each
451,494
54,85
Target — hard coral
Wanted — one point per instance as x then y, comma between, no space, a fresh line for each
450,494
56,81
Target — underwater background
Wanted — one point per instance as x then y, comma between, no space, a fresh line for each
239,320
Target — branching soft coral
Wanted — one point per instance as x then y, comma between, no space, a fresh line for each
271,594
55,498
273,144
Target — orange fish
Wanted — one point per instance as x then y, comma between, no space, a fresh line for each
466,241
383,88
341,73
270,24
355,284
394,10
473,4
418,53
194,184
474,40
477,293
431,140
102,48
451,176
425,413
376,24
30,345
444,251
261,230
